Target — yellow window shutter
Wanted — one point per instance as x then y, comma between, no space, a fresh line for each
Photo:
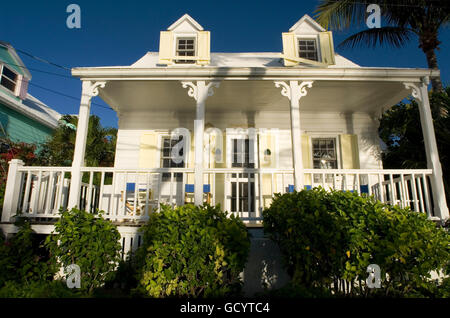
147,150
203,48
349,151
327,47
306,152
166,48
289,49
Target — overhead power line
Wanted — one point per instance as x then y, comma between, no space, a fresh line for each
42,71
42,60
68,96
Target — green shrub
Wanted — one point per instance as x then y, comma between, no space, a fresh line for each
329,238
89,241
193,251
21,259
37,289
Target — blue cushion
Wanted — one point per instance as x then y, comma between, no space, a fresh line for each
291,188
189,188
131,187
364,188
308,187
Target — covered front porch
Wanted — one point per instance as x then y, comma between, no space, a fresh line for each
196,99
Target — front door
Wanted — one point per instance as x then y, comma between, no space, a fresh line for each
241,186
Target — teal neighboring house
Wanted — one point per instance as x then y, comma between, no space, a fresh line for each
23,118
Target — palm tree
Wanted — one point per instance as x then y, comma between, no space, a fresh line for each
405,19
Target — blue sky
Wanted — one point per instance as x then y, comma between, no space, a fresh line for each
120,32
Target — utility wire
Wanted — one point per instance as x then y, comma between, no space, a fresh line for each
68,96
42,60
42,71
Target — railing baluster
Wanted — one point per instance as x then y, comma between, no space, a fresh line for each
171,189
421,196
392,194
159,190
147,194
414,193
357,183
261,200
381,187
213,193
248,194
102,189
48,203
26,200
427,200
37,189
89,195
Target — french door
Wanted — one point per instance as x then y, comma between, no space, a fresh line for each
241,186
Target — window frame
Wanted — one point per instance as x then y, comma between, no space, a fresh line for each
337,145
188,36
308,37
16,82
161,157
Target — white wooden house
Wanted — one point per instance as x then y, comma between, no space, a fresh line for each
252,124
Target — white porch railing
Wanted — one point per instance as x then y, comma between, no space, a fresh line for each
127,195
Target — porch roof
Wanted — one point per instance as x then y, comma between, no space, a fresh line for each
346,89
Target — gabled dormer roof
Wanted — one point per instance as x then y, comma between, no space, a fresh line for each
9,56
185,23
306,25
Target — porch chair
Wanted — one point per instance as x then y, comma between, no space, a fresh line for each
189,193
141,197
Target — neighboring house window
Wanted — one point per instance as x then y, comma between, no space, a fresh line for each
8,79
167,160
307,49
185,47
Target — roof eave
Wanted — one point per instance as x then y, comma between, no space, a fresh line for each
256,73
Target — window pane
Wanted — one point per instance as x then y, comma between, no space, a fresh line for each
185,47
8,84
10,74
324,153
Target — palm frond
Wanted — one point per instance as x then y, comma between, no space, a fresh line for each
394,36
341,14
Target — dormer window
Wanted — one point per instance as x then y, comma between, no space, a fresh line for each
184,38
307,49
8,78
185,47
308,44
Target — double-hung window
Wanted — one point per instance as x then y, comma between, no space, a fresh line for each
324,156
167,158
185,47
8,78
307,49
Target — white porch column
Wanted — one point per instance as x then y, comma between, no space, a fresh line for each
420,93
200,91
12,190
89,90
294,91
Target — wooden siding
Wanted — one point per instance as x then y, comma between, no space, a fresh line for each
21,128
